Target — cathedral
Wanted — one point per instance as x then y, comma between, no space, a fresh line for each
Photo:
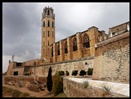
106,53
81,44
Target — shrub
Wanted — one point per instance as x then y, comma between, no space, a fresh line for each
90,71
57,85
26,73
16,93
74,72
106,87
25,95
61,73
86,84
82,72
49,80
67,73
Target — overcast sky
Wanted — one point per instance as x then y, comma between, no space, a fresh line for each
22,24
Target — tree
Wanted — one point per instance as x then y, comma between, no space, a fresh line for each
74,72
82,73
90,71
49,80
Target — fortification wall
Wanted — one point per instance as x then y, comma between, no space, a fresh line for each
80,64
111,61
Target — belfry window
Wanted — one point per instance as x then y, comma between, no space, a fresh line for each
48,23
43,34
44,24
74,44
48,12
58,47
86,42
44,44
48,33
66,50
52,24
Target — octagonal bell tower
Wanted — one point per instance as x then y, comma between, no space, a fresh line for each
48,32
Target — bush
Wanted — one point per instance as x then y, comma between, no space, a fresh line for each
16,93
82,73
90,71
61,73
67,73
74,72
25,95
26,73
57,85
86,84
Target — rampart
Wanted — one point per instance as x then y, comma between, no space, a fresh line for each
111,61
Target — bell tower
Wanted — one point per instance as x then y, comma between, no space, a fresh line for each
48,32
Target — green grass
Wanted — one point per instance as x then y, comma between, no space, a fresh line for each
13,92
61,95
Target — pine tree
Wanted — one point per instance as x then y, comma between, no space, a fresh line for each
49,80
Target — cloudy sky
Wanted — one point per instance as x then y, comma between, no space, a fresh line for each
22,24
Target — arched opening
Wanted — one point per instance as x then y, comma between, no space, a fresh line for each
44,24
52,24
43,34
86,42
52,51
58,47
74,44
66,50
52,34
48,33
48,23
48,12
48,43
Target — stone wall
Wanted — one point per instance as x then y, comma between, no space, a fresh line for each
111,61
9,71
80,64
20,70
42,70
76,87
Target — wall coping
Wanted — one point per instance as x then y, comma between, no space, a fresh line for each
113,39
120,88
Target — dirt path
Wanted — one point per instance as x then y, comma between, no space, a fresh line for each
44,93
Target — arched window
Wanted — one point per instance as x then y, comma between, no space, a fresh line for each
52,33
48,43
52,24
58,47
43,34
44,24
48,33
48,12
52,51
74,44
66,50
44,44
48,23
86,42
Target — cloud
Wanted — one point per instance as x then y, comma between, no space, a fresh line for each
22,23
